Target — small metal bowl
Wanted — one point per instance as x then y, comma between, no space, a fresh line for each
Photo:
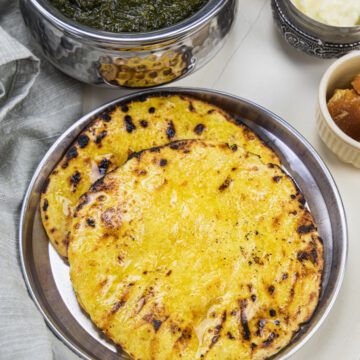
130,60
312,37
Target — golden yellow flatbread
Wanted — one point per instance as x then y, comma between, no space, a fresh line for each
123,129
196,250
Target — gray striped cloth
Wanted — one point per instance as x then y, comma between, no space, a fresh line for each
32,116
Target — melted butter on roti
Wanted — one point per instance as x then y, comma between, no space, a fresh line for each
196,249
122,130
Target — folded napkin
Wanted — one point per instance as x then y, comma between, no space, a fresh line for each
32,116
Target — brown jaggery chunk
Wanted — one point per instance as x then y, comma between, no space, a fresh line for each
356,83
344,108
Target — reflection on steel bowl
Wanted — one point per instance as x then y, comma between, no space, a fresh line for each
128,59
138,72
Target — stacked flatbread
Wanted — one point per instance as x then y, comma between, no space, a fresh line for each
185,237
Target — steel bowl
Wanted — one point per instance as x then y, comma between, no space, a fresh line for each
314,38
130,60
47,276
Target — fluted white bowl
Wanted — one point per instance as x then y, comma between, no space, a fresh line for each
338,76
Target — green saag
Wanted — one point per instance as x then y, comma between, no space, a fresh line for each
128,15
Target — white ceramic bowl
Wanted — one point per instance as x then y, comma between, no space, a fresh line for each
338,76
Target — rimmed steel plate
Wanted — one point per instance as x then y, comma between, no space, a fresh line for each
47,276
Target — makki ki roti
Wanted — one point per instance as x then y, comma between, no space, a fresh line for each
196,249
129,127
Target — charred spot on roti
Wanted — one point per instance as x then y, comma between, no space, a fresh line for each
90,222
156,324
271,289
199,128
230,336
83,140
98,185
84,199
260,326
270,339
71,154
225,184
310,255
111,218
191,107
272,312
302,200
306,229
129,125
119,304
75,179
133,155
170,131
103,166
45,186
99,138
155,149
144,123
105,116
45,205
243,320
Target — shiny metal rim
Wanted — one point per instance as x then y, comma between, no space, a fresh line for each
178,30
77,126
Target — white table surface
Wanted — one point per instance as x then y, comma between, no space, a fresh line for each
257,64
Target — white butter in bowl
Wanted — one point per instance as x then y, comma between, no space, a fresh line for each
343,13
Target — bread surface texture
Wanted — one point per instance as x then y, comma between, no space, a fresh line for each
196,250
126,128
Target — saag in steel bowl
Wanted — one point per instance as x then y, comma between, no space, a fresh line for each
128,15
113,42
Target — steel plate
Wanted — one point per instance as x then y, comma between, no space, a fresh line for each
47,276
